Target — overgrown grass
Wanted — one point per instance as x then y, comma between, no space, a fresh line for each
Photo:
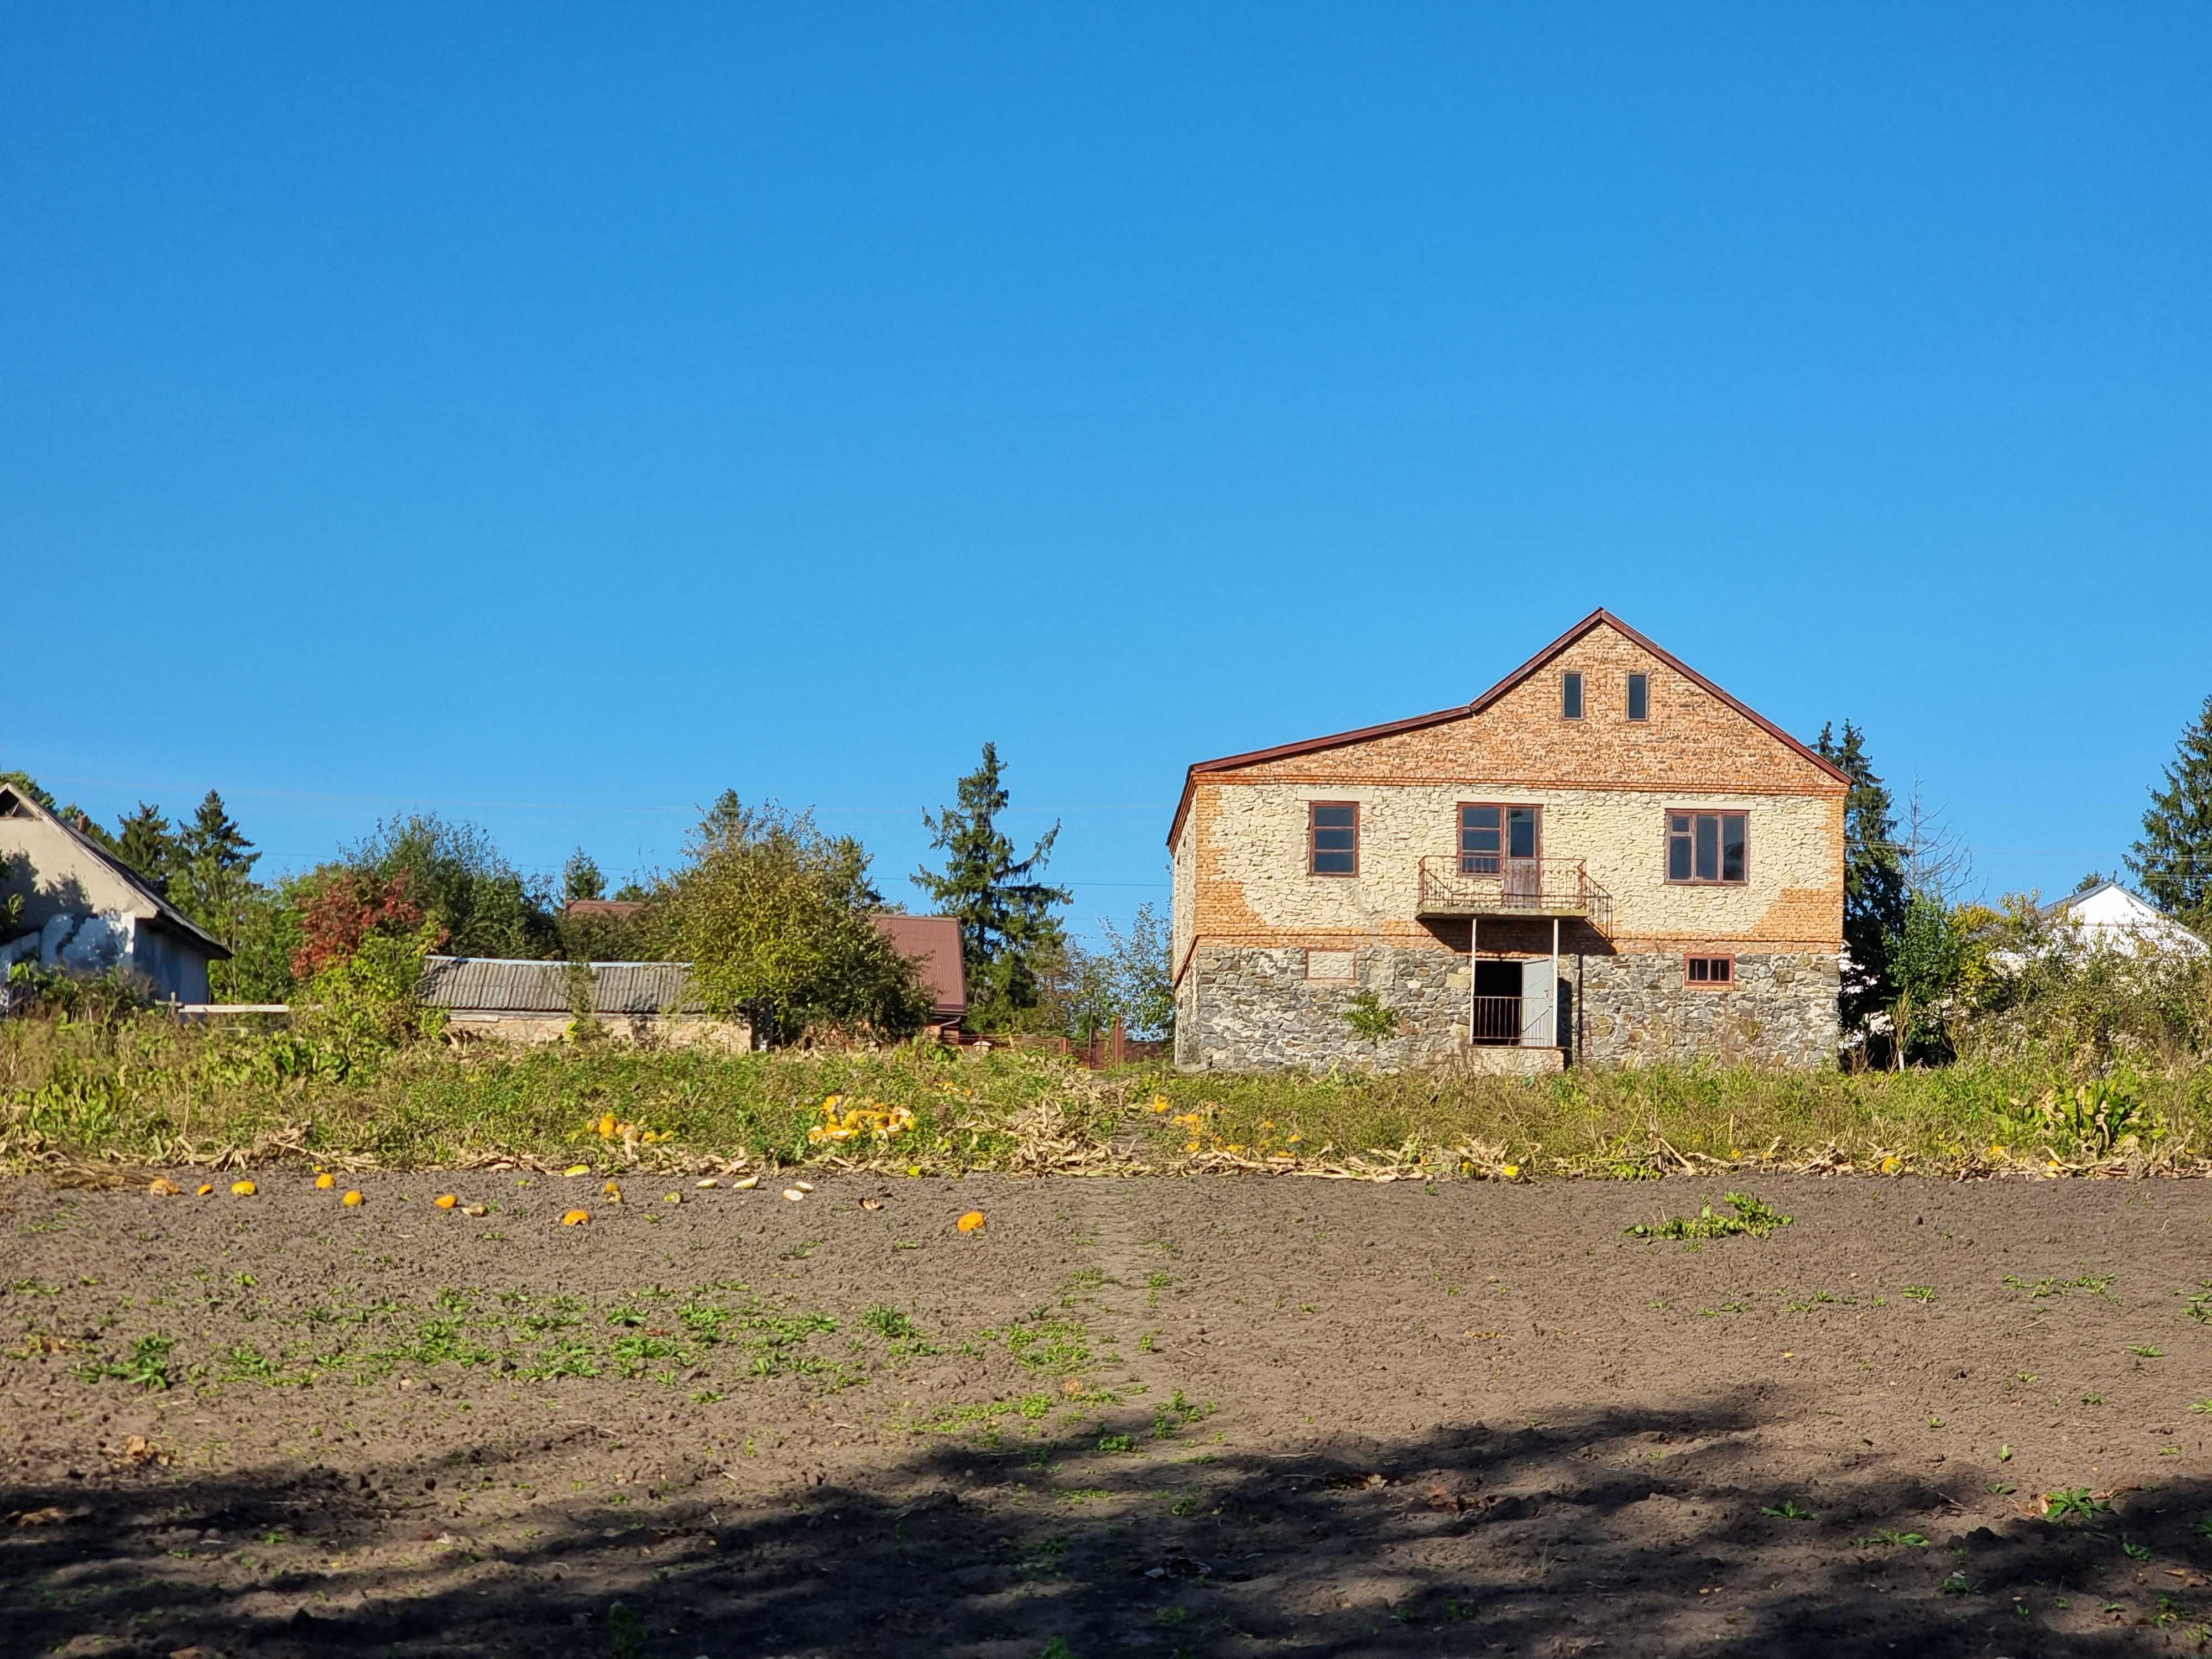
1657,1121
145,1089
141,1089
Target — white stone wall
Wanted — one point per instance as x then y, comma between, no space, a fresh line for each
534,1030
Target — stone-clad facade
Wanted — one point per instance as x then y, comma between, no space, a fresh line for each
1270,952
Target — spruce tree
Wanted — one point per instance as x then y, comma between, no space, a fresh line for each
1008,934
581,878
211,876
1873,878
2173,860
143,841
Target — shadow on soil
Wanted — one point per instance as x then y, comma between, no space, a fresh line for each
1627,1530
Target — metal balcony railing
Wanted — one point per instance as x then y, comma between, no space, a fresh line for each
1517,887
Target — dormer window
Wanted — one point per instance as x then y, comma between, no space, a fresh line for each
1571,696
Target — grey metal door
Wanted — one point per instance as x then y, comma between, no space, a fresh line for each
1539,1004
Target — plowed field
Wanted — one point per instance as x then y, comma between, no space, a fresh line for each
1197,1417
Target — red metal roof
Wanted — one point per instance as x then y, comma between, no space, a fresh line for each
936,941
619,909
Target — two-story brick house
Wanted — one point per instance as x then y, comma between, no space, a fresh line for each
1603,856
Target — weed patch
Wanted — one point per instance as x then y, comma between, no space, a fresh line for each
146,1366
1753,1217
2095,1284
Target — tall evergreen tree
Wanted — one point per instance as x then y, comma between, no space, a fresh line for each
1008,933
581,878
1873,876
143,841
211,876
2173,860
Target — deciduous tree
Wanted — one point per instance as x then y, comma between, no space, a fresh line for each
775,918
464,883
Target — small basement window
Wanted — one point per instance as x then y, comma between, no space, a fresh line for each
1708,847
1713,973
1571,696
1333,838
1639,697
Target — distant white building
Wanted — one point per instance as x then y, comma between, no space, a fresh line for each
2108,917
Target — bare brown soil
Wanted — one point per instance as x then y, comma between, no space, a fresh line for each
1198,1416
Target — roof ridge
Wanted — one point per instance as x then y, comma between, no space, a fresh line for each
1484,700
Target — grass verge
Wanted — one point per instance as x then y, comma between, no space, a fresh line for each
141,1091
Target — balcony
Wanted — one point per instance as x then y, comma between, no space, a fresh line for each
1535,888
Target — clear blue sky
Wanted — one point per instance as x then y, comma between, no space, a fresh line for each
558,414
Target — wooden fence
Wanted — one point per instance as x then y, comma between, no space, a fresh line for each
1112,1047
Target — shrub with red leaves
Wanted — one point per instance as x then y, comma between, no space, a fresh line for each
348,907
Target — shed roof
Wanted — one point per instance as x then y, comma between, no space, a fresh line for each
500,985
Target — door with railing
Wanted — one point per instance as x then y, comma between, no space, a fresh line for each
1495,1022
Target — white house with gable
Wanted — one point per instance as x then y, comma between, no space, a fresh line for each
2108,917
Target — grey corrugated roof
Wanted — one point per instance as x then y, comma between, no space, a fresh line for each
496,985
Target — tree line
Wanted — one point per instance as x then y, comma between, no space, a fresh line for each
1920,955
773,914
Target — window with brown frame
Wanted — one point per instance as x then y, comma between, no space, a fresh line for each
1639,697
1708,847
1332,837
1489,835
1571,696
1709,973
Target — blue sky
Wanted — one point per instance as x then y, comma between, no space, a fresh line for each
555,415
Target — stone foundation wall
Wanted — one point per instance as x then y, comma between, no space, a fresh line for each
733,1037
1255,1008
1780,1011
1252,1008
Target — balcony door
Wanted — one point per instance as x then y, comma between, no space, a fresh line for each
1507,844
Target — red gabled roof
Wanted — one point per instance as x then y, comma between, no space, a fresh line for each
615,910
934,942
1337,740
